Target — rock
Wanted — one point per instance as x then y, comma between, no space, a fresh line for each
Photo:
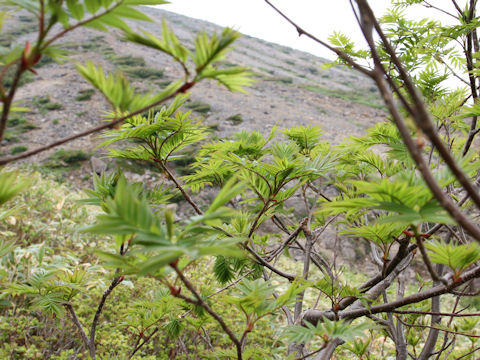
98,165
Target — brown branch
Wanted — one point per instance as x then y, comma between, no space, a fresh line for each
3,72
472,80
117,280
338,52
312,353
8,100
430,343
469,353
81,23
414,149
426,259
419,114
418,312
79,326
187,197
313,316
430,6
199,301
310,240
457,7
145,340
289,239
439,329
253,227
264,263
403,251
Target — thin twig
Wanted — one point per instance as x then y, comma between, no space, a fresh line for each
199,301
117,280
79,326
439,329
418,312
339,53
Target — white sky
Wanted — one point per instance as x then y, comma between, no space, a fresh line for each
320,17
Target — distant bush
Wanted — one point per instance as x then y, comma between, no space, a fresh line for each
281,79
64,157
84,95
44,104
53,106
235,119
144,73
129,60
18,149
199,107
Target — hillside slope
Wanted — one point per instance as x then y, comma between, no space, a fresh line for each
291,87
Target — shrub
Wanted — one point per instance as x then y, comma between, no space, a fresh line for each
20,123
281,79
63,157
18,149
215,276
129,60
144,73
235,119
84,95
199,107
44,104
52,106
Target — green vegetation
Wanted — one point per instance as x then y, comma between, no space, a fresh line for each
8,78
10,137
358,97
199,107
84,95
9,37
44,104
129,60
52,106
280,79
213,127
255,245
17,126
164,83
235,119
27,19
268,71
65,158
144,73
20,123
18,149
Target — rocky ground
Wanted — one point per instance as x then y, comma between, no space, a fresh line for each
291,89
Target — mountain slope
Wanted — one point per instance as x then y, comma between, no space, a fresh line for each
291,87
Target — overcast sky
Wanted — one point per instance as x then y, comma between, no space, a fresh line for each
320,17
